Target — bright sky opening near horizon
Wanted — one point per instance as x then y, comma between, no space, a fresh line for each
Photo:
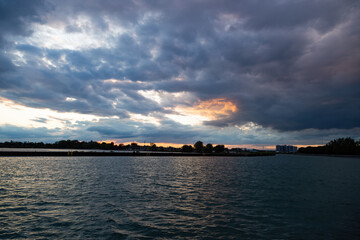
240,73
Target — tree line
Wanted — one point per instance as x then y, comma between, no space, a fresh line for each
198,147
63,144
341,146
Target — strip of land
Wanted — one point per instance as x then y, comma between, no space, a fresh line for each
144,154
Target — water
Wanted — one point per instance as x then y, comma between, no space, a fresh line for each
280,197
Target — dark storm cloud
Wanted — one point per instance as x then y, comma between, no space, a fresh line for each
287,65
15,18
14,132
17,15
170,131
111,132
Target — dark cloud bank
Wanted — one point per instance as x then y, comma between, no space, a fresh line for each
287,65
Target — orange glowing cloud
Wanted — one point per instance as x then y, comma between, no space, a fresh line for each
211,109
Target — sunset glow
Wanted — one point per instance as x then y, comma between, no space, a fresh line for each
211,109
20,115
235,73
179,119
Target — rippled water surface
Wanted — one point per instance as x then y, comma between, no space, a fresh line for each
280,197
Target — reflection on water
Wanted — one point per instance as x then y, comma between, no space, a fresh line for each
278,197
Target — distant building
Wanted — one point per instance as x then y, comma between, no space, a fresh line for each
286,149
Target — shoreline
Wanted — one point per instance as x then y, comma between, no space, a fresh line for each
142,154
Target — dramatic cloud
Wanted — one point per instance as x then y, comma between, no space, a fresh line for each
240,72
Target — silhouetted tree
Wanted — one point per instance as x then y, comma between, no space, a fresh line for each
153,147
64,144
342,146
134,146
219,148
336,146
208,148
199,146
187,148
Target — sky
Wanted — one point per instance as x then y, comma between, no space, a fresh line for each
239,73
